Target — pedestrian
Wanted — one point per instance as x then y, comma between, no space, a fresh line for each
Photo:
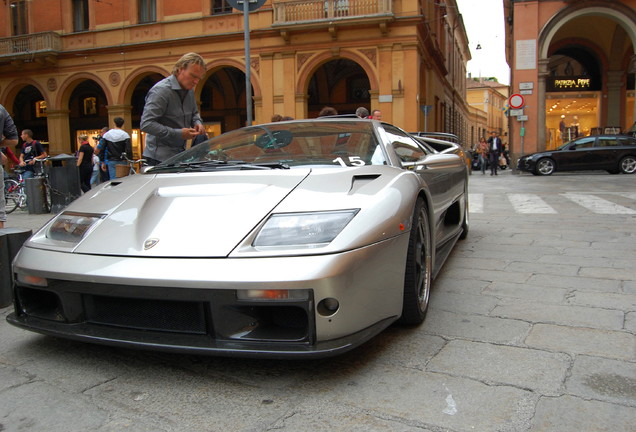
11,157
31,150
171,115
85,162
100,144
482,154
277,118
116,143
8,138
362,112
95,177
494,151
327,111
376,114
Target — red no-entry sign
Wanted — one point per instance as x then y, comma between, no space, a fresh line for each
516,101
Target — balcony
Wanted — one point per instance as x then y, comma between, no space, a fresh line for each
40,47
305,13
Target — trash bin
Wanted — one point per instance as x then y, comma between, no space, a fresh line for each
64,181
11,239
36,195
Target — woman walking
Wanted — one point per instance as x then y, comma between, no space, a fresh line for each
85,163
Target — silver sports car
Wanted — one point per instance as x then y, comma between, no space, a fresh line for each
291,239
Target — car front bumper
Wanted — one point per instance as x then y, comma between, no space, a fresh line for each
525,165
192,305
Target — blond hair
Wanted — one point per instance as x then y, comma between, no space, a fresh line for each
186,60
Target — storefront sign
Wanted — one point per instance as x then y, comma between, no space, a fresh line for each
571,83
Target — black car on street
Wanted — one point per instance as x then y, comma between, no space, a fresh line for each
612,153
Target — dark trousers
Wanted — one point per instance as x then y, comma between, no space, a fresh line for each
493,157
85,173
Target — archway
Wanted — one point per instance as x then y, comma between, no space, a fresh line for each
340,83
29,112
223,100
87,112
566,39
138,97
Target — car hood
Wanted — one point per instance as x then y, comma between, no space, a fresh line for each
539,154
209,214
182,214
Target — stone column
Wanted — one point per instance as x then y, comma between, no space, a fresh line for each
613,101
59,131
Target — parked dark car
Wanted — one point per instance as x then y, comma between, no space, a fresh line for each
612,153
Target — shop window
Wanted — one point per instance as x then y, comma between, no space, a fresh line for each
80,15
147,11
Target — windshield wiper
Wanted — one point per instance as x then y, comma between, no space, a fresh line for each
209,165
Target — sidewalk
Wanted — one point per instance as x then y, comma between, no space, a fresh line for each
23,220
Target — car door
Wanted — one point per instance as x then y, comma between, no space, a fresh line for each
578,155
606,152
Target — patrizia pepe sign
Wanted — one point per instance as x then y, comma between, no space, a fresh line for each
570,83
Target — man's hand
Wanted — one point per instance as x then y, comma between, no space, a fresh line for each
200,129
189,133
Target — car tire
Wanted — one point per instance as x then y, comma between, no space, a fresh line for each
419,268
628,165
545,166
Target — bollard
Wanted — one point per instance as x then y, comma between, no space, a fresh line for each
11,239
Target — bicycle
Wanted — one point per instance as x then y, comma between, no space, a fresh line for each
14,193
133,164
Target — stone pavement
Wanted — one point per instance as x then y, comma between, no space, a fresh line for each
23,220
531,327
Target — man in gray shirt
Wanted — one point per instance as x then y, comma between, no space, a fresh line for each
171,116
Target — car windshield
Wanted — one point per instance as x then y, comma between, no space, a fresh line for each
283,145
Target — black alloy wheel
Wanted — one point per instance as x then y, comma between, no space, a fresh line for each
628,165
419,268
545,166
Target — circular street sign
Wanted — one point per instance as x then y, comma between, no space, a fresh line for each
252,5
516,101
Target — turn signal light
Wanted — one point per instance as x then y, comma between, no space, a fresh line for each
272,294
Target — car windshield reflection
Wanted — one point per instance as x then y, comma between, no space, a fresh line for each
282,145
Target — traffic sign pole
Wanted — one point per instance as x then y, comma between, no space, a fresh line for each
247,6
248,65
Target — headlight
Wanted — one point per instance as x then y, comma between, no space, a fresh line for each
303,229
72,227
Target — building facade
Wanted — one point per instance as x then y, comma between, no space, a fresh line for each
491,98
70,66
573,64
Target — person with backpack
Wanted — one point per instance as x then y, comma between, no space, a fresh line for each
116,142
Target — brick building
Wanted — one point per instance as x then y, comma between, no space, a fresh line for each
71,66
573,63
